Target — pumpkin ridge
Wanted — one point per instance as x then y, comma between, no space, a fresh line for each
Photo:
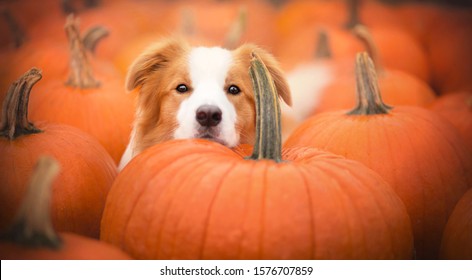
433,124
380,210
446,139
218,187
246,212
176,163
171,203
136,199
340,198
302,173
356,207
456,157
409,122
263,212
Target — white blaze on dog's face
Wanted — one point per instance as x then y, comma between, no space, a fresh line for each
208,111
199,92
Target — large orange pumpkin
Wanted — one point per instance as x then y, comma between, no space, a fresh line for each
195,199
32,235
87,169
100,108
419,153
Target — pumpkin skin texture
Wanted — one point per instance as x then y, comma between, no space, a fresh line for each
196,199
457,241
206,202
416,151
80,191
457,108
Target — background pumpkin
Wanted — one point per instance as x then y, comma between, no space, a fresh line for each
32,235
416,151
100,108
457,108
87,169
456,242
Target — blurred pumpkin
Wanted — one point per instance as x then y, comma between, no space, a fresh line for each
457,108
32,235
457,241
419,153
88,170
99,108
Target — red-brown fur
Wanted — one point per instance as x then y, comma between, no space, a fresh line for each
158,71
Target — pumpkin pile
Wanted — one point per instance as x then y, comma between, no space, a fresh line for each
375,163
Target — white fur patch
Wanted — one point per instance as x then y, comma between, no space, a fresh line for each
208,68
306,83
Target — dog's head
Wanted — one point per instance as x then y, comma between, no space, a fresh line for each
197,92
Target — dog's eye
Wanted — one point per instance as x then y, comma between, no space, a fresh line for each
233,90
182,88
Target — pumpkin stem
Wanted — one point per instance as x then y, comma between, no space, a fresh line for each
93,36
18,34
268,143
363,33
353,14
236,30
14,121
32,226
80,74
369,99
323,49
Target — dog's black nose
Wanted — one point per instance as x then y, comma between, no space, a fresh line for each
208,115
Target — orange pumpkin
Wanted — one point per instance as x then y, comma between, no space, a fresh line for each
125,20
327,66
301,46
32,236
298,46
100,108
420,154
457,108
195,199
297,15
449,46
204,24
397,87
457,242
88,171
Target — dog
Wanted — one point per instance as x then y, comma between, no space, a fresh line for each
188,91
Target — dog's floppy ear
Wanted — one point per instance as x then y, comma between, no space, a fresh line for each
273,66
153,58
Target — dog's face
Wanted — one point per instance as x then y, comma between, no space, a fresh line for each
197,92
